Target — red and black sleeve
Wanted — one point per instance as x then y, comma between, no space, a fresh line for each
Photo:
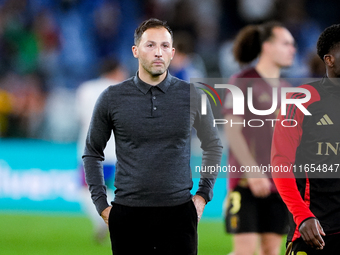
286,139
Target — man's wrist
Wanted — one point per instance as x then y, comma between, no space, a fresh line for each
200,196
101,205
306,220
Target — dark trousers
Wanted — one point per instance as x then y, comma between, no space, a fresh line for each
153,230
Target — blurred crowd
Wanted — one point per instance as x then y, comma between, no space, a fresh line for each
48,48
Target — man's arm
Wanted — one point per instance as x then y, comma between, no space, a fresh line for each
210,144
285,143
259,185
98,135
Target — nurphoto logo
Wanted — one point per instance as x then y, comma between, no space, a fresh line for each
238,101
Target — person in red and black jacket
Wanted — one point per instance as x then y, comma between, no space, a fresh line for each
309,147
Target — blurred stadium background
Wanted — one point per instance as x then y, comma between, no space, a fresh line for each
49,47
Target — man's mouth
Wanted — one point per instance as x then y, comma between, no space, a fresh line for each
158,62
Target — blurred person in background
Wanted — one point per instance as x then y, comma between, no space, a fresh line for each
305,30
153,211
36,92
18,36
49,42
107,22
112,72
255,212
28,94
186,64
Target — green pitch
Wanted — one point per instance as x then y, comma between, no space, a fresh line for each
33,234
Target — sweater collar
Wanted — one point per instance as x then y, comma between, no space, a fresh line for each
145,87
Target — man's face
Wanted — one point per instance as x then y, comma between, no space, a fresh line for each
154,51
281,47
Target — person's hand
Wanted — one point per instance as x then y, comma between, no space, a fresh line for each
260,187
311,232
199,203
105,214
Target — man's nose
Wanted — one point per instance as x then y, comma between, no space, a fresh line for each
158,52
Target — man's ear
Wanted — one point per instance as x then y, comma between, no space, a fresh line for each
173,53
329,60
135,51
266,46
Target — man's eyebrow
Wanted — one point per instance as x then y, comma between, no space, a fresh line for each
150,41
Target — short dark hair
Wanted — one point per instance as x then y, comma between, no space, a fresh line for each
150,23
328,39
249,40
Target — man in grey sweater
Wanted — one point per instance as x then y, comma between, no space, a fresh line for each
151,115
